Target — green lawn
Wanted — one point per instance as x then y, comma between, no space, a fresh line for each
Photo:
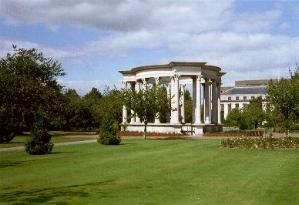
152,172
19,140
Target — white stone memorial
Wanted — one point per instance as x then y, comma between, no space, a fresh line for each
206,82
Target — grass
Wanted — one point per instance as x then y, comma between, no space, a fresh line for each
152,172
20,139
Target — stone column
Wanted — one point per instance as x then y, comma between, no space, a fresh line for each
137,89
182,102
175,100
125,113
157,118
144,83
207,102
133,119
193,99
225,111
214,117
219,102
168,90
198,100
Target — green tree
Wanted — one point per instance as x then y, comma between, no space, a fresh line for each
28,84
254,113
92,100
79,112
188,107
111,105
283,97
147,103
236,118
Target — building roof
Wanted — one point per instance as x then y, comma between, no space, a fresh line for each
246,90
170,65
224,88
243,83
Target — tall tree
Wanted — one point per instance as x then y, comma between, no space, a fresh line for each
188,107
254,113
111,105
29,87
147,103
283,96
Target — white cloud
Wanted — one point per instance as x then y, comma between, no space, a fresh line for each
249,22
84,86
243,43
56,53
285,26
119,15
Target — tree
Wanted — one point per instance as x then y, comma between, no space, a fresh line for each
283,96
28,84
111,105
236,118
147,103
188,107
254,113
92,101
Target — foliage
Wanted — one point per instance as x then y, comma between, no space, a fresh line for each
7,131
253,113
283,97
250,117
188,107
79,113
236,119
147,103
111,105
27,85
261,142
39,141
108,131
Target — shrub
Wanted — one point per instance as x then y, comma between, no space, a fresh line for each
39,142
107,138
261,142
108,132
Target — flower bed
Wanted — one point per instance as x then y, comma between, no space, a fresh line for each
261,142
235,134
151,134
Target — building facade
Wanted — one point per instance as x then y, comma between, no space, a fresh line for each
205,80
240,95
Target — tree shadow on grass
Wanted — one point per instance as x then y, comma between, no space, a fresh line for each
7,163
57,195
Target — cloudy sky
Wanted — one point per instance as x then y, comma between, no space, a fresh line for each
93,39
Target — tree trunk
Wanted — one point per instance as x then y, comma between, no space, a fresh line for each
286,133
145,126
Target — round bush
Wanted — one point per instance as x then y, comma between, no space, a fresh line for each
39,143
107,138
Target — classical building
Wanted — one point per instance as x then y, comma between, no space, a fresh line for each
205,80
240,95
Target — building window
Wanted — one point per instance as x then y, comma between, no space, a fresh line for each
222,107
237,98
237,105
244,97
229,98
252,97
